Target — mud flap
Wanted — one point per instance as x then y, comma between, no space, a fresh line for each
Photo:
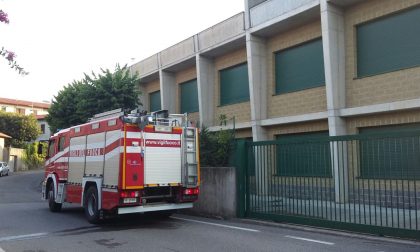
60,193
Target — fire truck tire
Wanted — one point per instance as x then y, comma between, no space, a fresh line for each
54,207
91,205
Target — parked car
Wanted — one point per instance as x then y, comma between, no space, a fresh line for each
4,169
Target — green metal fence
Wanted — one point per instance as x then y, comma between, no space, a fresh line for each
368,183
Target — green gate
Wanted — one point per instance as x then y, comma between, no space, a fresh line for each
366,183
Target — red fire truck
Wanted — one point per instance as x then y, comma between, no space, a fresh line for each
124,163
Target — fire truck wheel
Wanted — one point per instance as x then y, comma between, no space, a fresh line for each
54,207
91,205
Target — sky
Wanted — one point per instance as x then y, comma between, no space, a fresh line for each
57,41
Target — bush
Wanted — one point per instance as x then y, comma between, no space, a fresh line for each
216,147
21,128
31,157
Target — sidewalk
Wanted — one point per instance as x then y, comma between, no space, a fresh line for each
366,236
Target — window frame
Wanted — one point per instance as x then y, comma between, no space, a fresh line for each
274,55
61,143
365,171
180,95
42,126
150,100
356,46
220,85
311,140
51,148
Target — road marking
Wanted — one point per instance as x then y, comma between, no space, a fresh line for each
2,250
218,225
21,237
309,240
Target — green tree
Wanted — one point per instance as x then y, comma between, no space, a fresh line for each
31,157
216,147
97,93
21,128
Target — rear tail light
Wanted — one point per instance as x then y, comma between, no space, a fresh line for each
177,130
191,191
129,194
129,197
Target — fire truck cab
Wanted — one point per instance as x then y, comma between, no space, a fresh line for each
124,163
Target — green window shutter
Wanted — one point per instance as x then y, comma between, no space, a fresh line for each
389,44
189,97
234,85
154,100
300,67
302,155
390,157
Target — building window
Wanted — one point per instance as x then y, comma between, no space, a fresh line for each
189,96
304,155
234,85
388,44
42,128
390,155
300,67
3,108
154,101
20,111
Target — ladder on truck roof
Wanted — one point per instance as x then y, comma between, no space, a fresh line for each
190,158
107,114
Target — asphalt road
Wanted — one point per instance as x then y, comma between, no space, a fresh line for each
27,225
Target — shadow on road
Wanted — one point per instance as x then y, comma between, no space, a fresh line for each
117,223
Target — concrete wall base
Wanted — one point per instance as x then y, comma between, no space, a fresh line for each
217,193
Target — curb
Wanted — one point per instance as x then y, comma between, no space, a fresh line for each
336,232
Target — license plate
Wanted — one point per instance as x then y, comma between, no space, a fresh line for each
130,200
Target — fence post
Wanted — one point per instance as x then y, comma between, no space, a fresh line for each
340,171
241,163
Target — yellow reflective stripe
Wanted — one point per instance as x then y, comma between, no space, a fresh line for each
134,187
152,185
124,156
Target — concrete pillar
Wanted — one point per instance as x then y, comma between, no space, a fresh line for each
332,23
256,50
167,91
247,15
258,84
143,97
206,76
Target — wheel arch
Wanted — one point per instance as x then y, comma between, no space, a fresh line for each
51,178
88,182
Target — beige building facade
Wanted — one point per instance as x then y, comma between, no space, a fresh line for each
304,65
